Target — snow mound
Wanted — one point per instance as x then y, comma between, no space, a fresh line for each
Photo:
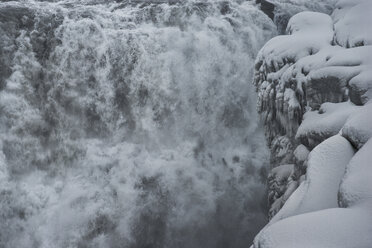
347,67
326,166
356,185
352,23
301,153
358,128
331,228
320,125
281,49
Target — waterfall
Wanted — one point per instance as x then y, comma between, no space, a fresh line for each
130,124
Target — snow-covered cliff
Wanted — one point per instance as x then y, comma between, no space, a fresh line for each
314,89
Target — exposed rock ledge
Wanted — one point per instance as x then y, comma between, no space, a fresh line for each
315,97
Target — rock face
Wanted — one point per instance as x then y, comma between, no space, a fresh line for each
280,11
267,7
314,88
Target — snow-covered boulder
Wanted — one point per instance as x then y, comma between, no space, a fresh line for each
345,68
301,153
320,125
356,186
352,23
282,10
325,168
279,180
358,128
330,228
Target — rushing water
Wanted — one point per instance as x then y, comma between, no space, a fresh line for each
130,124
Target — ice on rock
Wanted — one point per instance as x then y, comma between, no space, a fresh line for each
279,97
281,102
281,10
280,149
358,128
282,172
349,67
320,125
282,84
299,75
325,167
279,180
302,41
301,153
334,74
356,186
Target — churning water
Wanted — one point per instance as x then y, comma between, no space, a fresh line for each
130,124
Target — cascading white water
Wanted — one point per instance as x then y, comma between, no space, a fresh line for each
130,124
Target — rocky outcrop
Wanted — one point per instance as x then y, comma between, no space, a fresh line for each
280,11
314,88
267,7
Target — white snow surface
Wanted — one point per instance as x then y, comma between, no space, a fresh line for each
358,127
302,42
330,228
356,186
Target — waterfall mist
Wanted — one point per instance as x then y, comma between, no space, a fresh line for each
130,124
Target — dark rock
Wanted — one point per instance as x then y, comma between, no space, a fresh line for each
267,7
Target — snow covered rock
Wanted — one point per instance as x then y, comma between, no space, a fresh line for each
279,191
325,168
356,185
346,68
358,128
308,85
280,11
320,125
279,97
352,23
301,153
315,92
280,149
281,84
